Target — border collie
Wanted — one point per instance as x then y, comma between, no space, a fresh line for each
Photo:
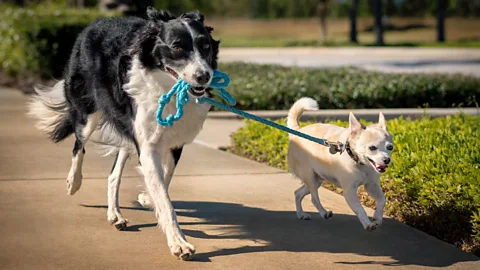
118,69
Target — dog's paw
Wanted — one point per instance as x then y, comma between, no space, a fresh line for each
328,215
74,182
181,249
118,221
121,225
377,221
144,200
303,216
370,227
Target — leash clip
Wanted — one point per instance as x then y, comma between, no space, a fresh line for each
335,147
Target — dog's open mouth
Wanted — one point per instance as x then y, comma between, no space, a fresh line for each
196,91
172,72
379,168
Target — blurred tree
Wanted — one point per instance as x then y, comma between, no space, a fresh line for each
322,12
441,5
378,11
353,21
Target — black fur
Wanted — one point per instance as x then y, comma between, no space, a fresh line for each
177,153
102,56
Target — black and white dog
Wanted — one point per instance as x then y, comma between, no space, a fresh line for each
118,69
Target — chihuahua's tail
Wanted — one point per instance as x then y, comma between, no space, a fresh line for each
301,105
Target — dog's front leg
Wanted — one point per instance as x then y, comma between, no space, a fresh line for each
375,190
151,161
354,203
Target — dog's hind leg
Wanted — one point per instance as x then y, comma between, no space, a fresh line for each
300,193
313,185
83,131
113,214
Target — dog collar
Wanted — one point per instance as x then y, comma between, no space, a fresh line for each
351,153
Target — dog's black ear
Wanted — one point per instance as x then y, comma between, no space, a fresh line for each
209,29
194,15
162,15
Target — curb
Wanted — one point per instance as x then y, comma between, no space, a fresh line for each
367,114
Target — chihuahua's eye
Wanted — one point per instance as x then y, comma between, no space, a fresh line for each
372,148
206,46
389,147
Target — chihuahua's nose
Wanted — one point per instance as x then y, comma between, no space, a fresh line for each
202,77
386,160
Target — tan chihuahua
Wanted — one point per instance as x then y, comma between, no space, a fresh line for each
368,151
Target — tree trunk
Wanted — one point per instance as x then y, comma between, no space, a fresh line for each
353,21
441,20
377,8
322,11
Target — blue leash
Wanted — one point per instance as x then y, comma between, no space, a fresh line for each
220,81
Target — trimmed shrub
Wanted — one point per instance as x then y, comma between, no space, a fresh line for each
433,183
268,87
38,41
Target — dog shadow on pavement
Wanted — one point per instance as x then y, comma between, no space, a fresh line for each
282,231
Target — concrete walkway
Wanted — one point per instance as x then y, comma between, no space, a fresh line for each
239,214
428,60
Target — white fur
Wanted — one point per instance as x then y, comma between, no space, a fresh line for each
301,105
155,142
74,178
196,63
114,215
312,163
40,107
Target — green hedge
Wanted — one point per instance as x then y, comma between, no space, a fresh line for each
433,183
268,87
37,41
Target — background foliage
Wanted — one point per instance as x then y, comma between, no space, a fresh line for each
267,87
274,9
39,41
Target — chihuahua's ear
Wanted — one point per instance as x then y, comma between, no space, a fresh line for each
194,15
162,15
382,122
355,126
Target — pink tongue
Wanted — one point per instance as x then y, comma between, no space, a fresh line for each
381,167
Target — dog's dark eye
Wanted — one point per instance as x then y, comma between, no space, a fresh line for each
178,49
389,147
372,148
206,46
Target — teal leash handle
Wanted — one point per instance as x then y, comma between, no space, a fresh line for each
180,88
220,81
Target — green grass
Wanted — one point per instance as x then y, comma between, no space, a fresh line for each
237,32
433,183
265,42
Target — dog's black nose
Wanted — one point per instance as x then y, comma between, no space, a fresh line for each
386,160
202,77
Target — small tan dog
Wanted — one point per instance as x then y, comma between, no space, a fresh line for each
367,155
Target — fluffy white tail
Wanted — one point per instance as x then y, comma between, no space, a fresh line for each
301,105
49,108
